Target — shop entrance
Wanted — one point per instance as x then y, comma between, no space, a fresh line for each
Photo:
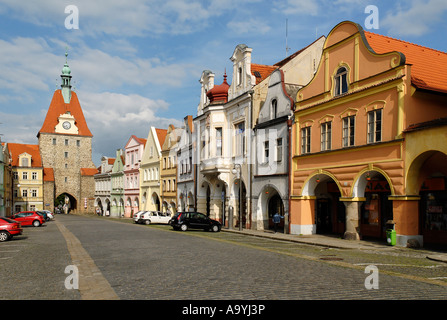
329,211
433,202
377,209
275,205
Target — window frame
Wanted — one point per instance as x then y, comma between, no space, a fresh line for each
372,126
341,81
306,139
348,131
326,136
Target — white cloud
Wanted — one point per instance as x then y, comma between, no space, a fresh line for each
299,7
114,117
416,20
249,26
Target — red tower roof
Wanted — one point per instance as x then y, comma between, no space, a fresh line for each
219,93
58,107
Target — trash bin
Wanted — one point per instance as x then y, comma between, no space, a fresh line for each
391,237
390,233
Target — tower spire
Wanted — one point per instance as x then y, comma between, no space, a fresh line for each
66,80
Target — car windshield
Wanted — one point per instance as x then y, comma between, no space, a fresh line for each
8,220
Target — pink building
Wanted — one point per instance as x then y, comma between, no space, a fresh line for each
133,152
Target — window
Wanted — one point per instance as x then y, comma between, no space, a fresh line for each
66,154
66,142
54,141
218,141
25,162
24,193
279,150
240,138
341,81
25,175
266,151
326,136
305,140
274,108
34,175
375,126
348,131
34,193
66,179
239,76
78,143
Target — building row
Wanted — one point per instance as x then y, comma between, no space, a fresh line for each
345,136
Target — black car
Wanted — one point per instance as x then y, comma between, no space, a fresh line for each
194,220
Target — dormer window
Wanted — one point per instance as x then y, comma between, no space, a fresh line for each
341,81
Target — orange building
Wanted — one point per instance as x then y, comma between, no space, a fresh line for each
359,158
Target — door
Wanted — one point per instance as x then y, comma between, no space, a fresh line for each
324,221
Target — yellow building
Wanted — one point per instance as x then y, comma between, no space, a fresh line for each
150,193
27,172
168,172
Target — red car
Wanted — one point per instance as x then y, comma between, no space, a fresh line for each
29,218
9,228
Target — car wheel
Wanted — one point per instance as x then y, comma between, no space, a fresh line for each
147,222
36,223
215,228
4,236
184,227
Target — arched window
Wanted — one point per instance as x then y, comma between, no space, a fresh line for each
274,108
341,81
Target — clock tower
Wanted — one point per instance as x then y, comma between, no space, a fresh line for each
65,144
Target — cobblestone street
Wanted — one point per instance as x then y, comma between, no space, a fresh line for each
136,262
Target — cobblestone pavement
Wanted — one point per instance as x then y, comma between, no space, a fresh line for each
157,263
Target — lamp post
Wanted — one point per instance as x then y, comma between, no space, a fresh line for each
237,172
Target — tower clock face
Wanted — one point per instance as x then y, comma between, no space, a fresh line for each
66,125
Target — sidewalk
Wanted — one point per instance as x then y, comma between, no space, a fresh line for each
331,241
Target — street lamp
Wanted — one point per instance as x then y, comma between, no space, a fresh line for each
237,172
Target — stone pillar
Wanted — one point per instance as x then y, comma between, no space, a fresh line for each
352,231
406,218
302,215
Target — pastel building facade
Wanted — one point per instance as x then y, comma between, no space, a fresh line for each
117,185
150,196
356,169
133,152
273,104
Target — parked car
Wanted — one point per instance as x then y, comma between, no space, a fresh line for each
194,220
137,216
29,218
50,215
155,217
9,228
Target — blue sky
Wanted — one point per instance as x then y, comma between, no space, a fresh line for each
137,63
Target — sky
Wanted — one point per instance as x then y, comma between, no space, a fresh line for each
137,63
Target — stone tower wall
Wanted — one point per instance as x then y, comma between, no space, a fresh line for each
67,159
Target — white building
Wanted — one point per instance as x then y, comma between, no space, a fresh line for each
273,106
103,186
186,169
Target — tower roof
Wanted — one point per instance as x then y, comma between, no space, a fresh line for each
58,107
